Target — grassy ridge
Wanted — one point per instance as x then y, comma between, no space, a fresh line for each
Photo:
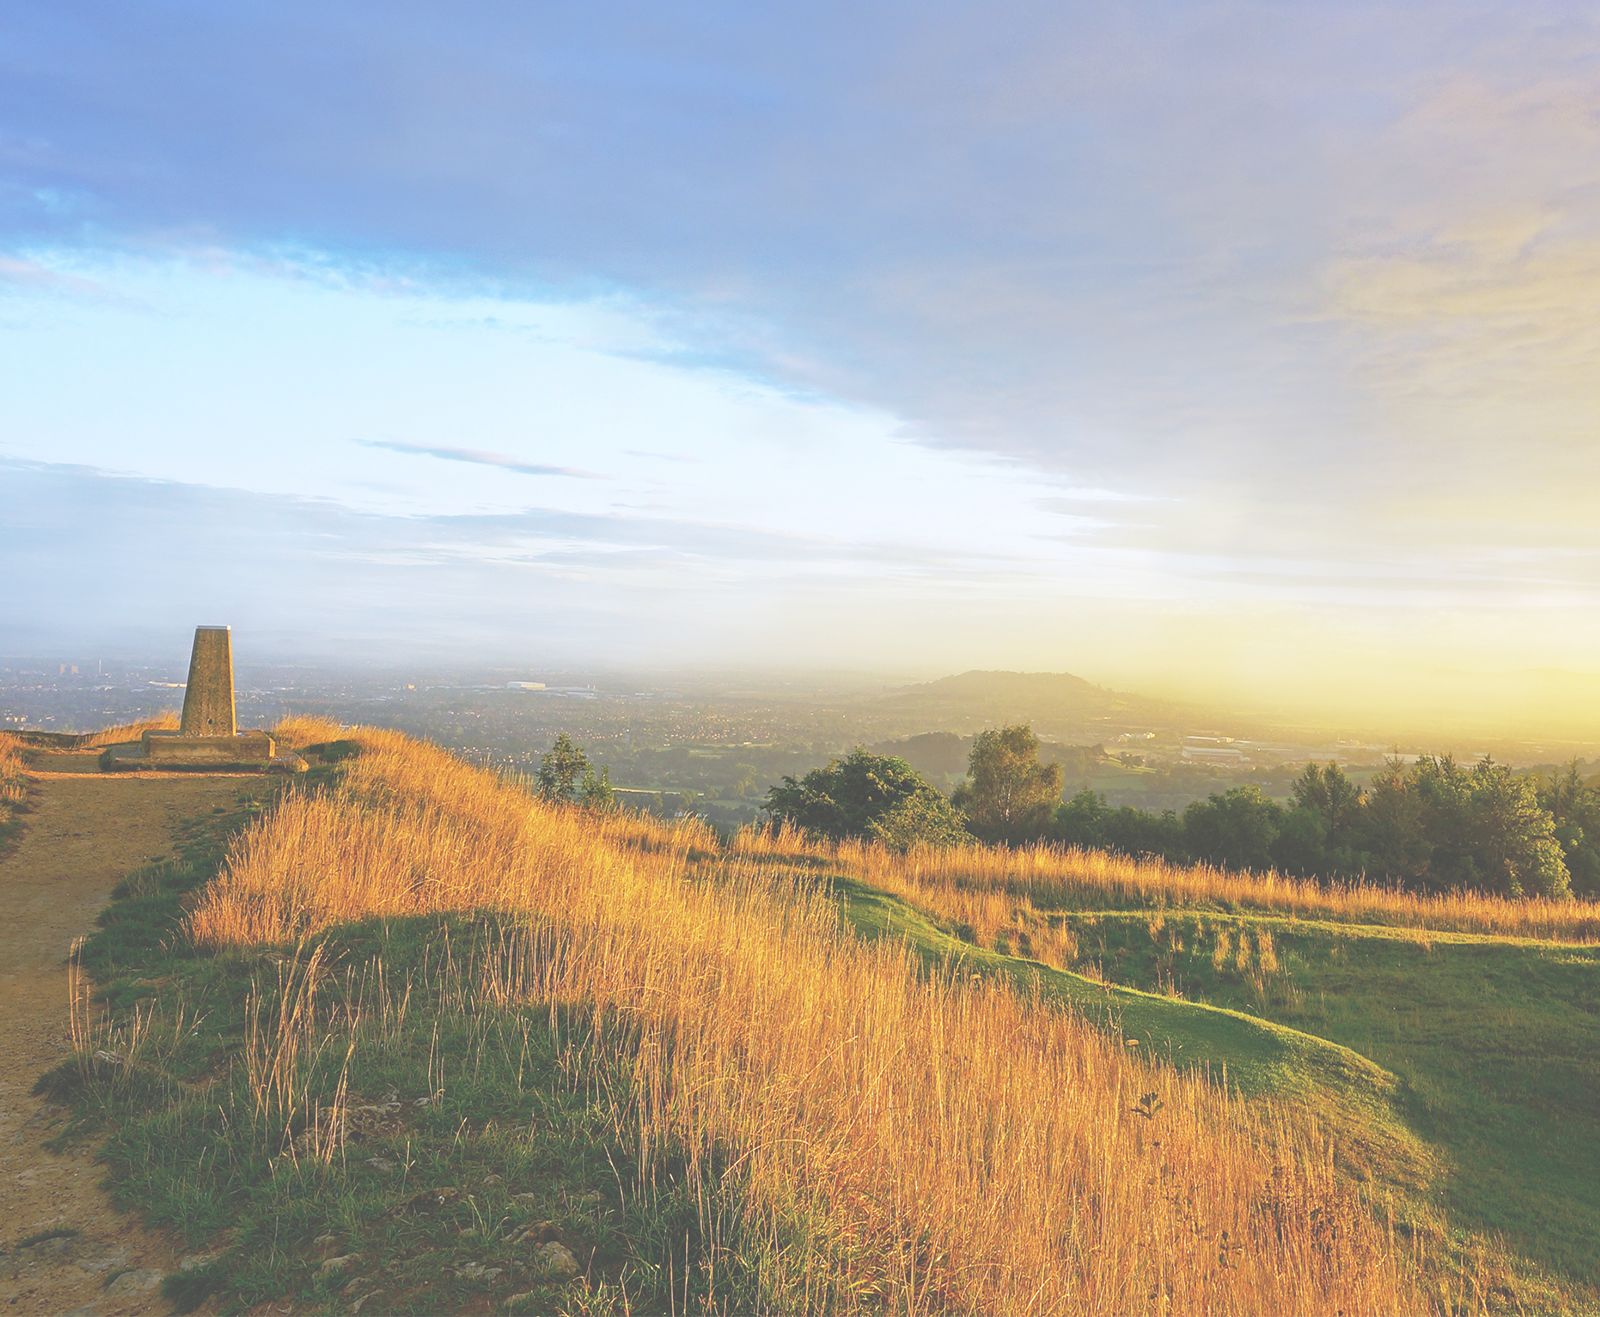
850,1133
422,1034
984,886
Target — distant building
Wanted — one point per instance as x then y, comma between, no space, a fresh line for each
562,692
1213,754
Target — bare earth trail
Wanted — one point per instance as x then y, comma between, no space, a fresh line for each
82,836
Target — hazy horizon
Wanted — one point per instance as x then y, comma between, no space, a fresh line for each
1439,719
1217,352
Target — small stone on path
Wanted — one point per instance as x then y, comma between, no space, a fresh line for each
139,1281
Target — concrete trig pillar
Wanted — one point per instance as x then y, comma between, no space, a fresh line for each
208,708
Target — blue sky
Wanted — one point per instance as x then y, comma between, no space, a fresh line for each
1200,346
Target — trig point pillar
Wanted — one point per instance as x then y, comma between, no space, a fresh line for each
208,708
208,738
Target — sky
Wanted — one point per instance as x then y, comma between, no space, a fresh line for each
1230,350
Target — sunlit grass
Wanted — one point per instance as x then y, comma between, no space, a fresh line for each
297,731
989,887
162,722
13,781
947,1144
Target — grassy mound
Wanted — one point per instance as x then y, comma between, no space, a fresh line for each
1458,1068
454,1154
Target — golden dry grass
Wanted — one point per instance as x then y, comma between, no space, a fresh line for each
13,782
297,731
986,886
162,722
920,1146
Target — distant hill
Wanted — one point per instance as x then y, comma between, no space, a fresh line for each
941,757
938,756
1058,704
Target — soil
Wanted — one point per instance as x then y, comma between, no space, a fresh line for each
63,1247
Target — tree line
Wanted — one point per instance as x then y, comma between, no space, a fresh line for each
1432,825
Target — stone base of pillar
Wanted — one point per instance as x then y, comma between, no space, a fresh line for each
253,752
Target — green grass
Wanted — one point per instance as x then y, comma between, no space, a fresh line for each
11,823
1462,1070
1497,1041
476,1134
1357,1099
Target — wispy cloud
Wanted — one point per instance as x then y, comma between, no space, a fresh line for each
652,456
540,581
28,274
478,457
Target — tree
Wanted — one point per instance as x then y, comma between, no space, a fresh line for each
1301,846
1481,828
1444,794
1086,820
866,795
565,774
1575,806
594,791
1009,795
1518,852
1083,821
1390,830
1327,792
924,818
1434,826
1234,830
1321,832
1140,832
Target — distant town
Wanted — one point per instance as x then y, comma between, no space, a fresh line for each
715,745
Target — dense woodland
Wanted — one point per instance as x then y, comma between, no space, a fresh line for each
1433,825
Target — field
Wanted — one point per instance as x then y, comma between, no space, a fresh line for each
413,1038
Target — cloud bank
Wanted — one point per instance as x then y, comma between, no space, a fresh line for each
1187,314
477,457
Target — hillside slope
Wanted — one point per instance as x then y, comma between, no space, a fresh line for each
1356,1099
1497,1041
1056,703
1488,1122
1457,1067
453,1047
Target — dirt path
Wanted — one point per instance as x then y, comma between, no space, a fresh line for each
82,836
